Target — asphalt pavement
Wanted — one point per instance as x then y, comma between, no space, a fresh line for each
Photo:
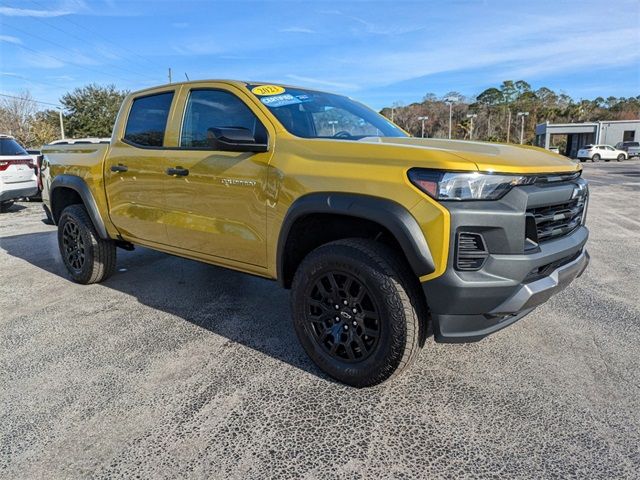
177,369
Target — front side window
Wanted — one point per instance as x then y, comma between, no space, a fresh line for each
8,146
147,120
312,114
208,110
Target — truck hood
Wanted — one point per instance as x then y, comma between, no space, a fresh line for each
490,157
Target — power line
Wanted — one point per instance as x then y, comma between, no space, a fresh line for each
75,65
94,34
69,50
30,100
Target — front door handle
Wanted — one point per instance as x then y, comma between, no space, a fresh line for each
178,171
119,168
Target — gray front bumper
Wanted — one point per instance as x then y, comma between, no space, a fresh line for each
532,294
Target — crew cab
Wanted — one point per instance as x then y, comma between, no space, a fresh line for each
382,238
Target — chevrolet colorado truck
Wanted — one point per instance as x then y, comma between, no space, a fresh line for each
383,239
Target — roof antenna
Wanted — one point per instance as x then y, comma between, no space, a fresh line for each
185,74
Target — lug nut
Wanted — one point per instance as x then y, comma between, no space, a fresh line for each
346,327
345,302
337,319
337,307
355,324
354,310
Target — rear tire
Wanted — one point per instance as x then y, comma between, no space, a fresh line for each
5,206
88,258
595,158
379,326
620,157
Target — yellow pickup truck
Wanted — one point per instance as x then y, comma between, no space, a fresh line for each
384,239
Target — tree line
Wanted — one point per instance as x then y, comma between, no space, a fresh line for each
90,111
493,114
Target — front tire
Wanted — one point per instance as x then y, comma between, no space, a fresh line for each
621,157
88,258
357,311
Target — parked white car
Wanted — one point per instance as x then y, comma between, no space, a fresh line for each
604,152
17,173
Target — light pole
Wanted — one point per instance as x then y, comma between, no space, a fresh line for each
333,124
422,119
522,115
471,116
450,101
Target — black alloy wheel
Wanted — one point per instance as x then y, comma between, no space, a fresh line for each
343,317
73,246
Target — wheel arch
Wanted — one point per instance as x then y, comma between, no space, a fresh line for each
67,190
349,215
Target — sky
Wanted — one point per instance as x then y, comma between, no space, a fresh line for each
381,53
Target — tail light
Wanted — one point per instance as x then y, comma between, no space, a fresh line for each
4,164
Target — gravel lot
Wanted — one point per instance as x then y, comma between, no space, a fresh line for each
174,368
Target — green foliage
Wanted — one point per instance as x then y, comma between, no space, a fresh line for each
497,107
91,111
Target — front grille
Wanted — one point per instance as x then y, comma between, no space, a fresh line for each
557,220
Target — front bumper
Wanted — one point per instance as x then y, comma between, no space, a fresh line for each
469,305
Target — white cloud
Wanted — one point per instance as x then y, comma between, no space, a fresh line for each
10,39
323,83
296,30
68,7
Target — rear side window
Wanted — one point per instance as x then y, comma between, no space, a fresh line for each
210,109
147,120
8,146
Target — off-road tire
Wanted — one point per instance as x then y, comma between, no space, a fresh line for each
402,318
595,158
5,206
98,255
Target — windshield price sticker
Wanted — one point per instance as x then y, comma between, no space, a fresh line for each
263,90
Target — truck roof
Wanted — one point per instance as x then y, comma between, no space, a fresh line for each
236,83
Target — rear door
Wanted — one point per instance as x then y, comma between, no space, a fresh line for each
219,207
135,169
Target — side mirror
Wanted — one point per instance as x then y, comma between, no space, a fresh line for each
235,139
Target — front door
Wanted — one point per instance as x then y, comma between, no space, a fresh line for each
216,203
135,170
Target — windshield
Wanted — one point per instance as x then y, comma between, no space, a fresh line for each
311,114
8,146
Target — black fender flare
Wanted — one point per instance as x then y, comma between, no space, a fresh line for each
81,188
391,215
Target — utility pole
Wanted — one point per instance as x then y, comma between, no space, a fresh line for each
471,116
450,101
508,125
169,74
522,115
333,124
422,119
61,124
393,111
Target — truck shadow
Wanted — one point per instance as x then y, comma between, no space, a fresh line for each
244,309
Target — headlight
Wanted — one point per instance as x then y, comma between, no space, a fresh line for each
465,185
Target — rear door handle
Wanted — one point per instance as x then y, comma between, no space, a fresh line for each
119,168
178,171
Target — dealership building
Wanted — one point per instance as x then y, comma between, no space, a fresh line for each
580,134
